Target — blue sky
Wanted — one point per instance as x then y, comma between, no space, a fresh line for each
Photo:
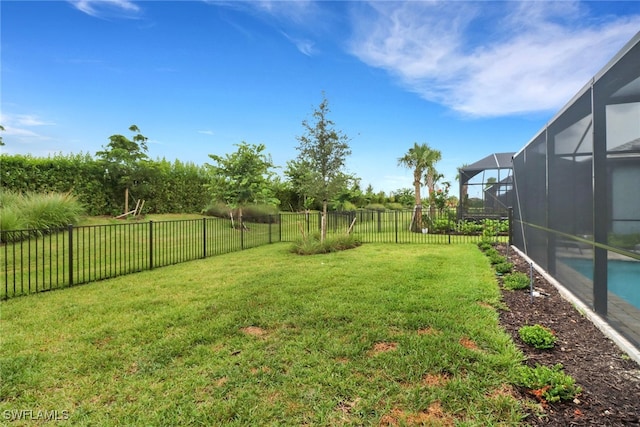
197,77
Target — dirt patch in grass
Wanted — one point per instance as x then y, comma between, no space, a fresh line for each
428,331
382,347
254,331
435,380
610,381
434,415
468,343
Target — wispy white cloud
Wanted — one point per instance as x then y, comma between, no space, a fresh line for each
305,46
206,132
19,128
485,58
30,120
102,8
295,16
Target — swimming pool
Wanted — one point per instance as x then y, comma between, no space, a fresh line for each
624,277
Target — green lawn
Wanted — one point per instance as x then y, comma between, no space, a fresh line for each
102,248
381,334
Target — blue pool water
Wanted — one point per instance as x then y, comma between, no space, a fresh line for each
624,277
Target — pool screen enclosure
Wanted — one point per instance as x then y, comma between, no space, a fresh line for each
575,192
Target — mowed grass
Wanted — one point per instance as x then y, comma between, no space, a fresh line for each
378,335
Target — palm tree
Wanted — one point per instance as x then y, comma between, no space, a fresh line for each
422,159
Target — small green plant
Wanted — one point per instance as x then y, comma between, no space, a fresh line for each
491,252
503,267
497,259
549,384
469,227
484,246
537,336
515,281
489,229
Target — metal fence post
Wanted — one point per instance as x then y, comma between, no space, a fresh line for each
70,230
270,221
396,224
150,245
448,213
510,225
204,237
241,234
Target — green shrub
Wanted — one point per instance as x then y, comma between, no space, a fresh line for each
260,213
484,246
550,384
537,336
250,213
497,259
311,244
441,226
216,209
376,207
503,267
627,241
491,252
515,281
394,206
469,227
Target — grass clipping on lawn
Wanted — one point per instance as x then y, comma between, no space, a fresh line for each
377,335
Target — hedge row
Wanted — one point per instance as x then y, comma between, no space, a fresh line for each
169,187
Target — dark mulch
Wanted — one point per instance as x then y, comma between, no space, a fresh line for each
610,381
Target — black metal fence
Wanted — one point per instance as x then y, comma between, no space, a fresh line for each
42,260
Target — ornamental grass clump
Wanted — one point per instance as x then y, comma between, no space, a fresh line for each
38,211
537,336
312,245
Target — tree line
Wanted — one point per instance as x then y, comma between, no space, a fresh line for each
315,179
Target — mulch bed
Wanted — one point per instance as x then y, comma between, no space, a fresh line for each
610,382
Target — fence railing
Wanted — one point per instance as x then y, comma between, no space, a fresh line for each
42,260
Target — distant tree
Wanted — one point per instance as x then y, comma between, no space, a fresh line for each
2,129
123,161
369,195
356,194
242,178
286,194
298,173
421,159
404,196
325,150
349,197
381,197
